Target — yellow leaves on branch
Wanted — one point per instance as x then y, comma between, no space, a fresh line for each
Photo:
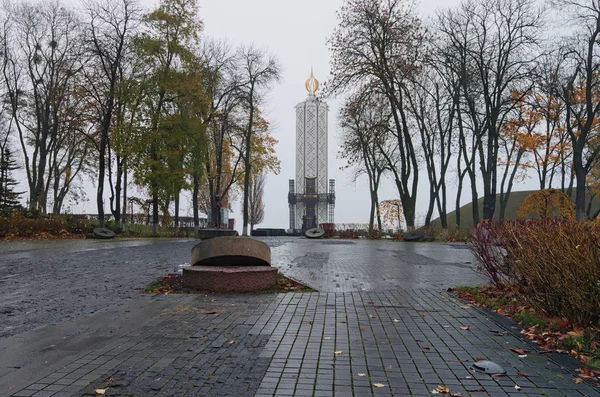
548,203
391,212
263,147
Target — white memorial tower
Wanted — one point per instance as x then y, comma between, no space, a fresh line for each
311,196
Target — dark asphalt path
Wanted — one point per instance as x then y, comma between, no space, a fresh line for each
50,282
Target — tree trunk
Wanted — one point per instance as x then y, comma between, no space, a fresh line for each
432,197
588,212
155,213
247,163
457,208
124,211
177,210
195,195
580,188
101,172
372,213
117,211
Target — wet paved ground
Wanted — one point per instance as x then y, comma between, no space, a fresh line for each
72,320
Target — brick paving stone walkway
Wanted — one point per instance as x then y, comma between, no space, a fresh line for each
383,325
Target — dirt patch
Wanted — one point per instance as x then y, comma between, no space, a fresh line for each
173,284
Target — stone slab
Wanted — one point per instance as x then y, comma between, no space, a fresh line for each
231,251
230,278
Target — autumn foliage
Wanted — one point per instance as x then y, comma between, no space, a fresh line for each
548,203
554,264
19,226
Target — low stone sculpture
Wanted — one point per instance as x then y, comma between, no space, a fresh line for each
230,264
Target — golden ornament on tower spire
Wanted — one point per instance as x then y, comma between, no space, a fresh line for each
312,84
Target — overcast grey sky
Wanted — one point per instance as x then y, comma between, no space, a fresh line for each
296,32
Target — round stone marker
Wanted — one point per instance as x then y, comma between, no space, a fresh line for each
488,367
103,233
231,251
314,233
414,236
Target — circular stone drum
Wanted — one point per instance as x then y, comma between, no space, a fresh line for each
231,251
314,233
103,233
230,264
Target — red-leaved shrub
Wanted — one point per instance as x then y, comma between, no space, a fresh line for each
554,263
18,225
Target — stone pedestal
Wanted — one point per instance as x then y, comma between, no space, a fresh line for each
230,264
230,278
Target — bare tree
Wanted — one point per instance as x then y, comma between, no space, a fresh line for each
578,86
492,46
256,210
223,161
383,40
42,55
259,71
365,119
111,24
433,100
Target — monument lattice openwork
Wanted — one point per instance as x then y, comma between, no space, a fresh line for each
311,196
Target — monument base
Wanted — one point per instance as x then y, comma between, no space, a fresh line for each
230,278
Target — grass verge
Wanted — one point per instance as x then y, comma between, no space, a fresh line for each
549,333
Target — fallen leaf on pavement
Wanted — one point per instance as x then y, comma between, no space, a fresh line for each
425,348
480,359
361,374
396,321
522,355
231,342
327,337
388,367
465,307
338,352
457,394
480,390
585,373
100,392
521,374
578,381
517,350
466,328
443,389
517,387
378,385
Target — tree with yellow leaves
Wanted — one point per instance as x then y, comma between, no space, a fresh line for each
548,203
391,212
